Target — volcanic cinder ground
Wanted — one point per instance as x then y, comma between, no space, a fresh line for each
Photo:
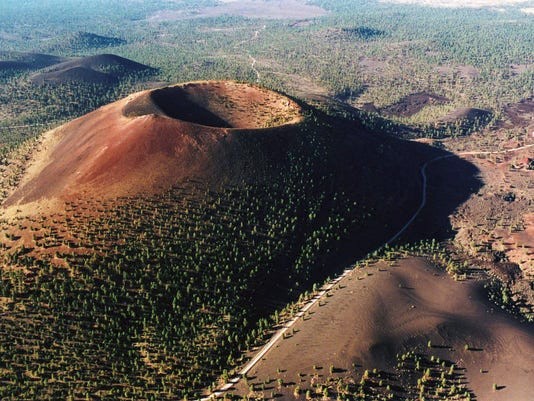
390,308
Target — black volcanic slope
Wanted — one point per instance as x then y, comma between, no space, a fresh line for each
102,68
27,61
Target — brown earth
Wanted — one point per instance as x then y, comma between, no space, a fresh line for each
466,72
519,114
373,65
495,227
492,227
495,224
496,218
388,309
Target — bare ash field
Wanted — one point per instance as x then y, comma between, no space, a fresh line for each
249,199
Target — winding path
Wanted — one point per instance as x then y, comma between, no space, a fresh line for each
253,61
274,339
424,180
288,325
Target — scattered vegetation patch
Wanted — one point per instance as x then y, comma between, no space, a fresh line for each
464,120
416,376
363,32
13,165
501,294
518,114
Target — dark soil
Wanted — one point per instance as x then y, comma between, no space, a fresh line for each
466,115
75,74
386,309
414,103
102,69
519,114
80,42
27,61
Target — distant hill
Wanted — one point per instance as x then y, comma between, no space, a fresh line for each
465,119
99,69
81,41
27,61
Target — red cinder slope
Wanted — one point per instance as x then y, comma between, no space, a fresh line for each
156,139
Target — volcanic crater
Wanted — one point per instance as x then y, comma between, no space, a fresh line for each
214,131
217,104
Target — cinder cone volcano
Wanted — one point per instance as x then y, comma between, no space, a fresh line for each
158,138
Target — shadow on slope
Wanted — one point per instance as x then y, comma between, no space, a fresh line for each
450,182
392,184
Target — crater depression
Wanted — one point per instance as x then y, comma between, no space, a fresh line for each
217,104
